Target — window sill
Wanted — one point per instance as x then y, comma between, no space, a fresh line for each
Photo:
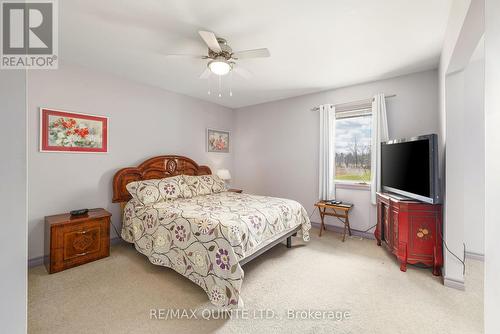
352,185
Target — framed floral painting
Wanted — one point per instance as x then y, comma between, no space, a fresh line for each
62,131
217,141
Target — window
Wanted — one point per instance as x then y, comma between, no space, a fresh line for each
353,146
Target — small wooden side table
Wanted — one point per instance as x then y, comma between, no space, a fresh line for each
74,240
340,211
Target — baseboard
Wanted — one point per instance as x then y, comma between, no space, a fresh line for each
454,284
38,261
116,240
474,256
338,229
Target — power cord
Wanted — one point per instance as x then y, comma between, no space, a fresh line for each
315,208
365,231
369,228
449,251
116,230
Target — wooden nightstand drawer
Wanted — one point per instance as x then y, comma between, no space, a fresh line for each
82,242
72,241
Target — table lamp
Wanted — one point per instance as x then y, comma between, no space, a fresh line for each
224,174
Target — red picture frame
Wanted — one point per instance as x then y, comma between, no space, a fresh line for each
70,132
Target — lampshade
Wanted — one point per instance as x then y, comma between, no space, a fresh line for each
224,174
219,66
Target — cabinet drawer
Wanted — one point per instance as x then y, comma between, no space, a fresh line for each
81,243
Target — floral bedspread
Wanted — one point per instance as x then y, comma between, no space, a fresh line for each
205,237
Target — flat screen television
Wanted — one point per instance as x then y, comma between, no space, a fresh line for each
410,168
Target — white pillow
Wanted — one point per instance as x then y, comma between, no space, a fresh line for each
205,184
158,190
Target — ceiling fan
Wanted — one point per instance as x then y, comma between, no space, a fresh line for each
222,59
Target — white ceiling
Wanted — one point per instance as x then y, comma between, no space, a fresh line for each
315,45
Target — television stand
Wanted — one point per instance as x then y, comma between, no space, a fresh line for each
411,230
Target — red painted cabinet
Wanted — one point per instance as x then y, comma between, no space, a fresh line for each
410,230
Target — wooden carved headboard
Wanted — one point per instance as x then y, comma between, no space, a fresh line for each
154,168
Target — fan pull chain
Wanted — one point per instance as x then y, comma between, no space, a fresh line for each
209,90
220,86
231,83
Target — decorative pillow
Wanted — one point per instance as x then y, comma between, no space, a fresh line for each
157,190
174,187
205,184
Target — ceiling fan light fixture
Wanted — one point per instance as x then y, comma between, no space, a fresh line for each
220,66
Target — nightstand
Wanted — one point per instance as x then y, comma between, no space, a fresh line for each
239,191
74,240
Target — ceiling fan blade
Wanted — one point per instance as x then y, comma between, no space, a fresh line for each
244,73
256,53
186,55
205,74
211,40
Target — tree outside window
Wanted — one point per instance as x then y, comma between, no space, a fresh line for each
353,149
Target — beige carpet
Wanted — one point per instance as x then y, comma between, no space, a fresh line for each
115,295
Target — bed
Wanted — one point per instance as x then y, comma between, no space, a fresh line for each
206,238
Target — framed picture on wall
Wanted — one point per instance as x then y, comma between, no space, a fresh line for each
64,131
217,141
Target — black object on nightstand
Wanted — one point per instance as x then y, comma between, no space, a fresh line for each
78,212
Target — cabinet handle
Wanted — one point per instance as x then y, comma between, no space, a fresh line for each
81,232
81,254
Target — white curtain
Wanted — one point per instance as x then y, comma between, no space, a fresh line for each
327,152
380,133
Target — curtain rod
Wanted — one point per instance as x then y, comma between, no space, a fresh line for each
355,102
